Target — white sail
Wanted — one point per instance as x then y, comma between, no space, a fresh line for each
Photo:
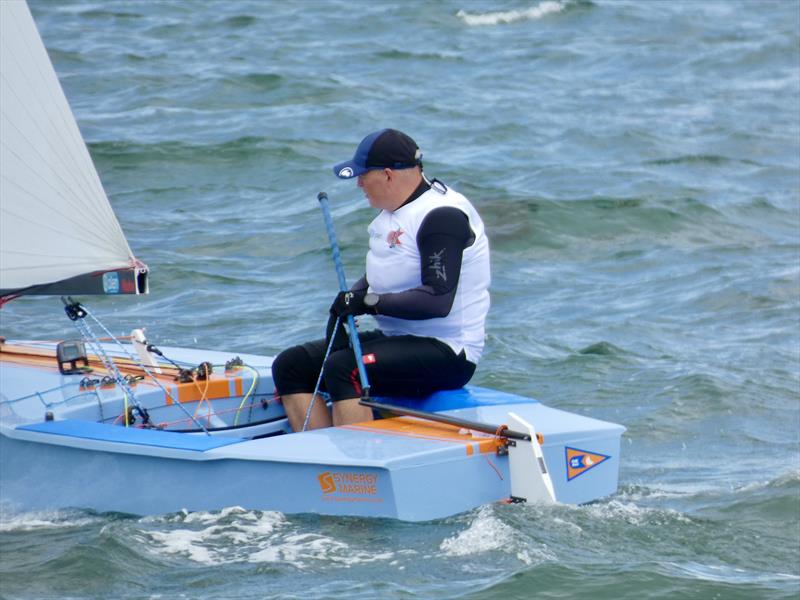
56,224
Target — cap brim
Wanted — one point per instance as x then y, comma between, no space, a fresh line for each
348,170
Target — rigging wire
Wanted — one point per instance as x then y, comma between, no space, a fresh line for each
76,313
114,369
319,378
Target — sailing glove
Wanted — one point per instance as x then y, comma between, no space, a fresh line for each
349,303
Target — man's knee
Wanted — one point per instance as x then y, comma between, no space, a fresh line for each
341,376
350,411
290,370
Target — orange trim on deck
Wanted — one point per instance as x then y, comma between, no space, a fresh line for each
43,358
428,430
209,390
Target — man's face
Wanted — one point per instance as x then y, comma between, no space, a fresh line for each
374,183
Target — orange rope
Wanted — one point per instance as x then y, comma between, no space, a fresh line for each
496,470
164,424
203,397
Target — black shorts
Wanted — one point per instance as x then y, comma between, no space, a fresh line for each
397,365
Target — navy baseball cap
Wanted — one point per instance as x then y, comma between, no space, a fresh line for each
384,149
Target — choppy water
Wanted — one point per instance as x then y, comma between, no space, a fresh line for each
638,167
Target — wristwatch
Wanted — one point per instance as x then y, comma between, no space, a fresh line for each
371,301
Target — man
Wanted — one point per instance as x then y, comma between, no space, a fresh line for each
426,284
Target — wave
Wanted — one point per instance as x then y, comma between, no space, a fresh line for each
236,535
62,57
488,533
44,520
700,159
726,574
126,152
98,13
775,500
759,503
623,224
602,349
543,9
619,511
395,54
240,21
262,82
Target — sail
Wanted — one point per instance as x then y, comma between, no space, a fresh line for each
58,232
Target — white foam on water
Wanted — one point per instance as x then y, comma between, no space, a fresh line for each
298,549
302,550
630,513
662,492
235,535
34,521
571,527
224,537
512,16
209,517
487,533
185,542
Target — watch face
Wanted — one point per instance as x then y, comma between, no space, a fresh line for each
371,299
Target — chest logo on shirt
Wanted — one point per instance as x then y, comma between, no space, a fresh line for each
393,237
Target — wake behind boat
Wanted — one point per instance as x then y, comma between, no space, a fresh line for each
123,425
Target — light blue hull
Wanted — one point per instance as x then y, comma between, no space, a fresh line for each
400,468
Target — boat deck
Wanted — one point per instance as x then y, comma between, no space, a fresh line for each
401,467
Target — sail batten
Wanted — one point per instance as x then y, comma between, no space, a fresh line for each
58,232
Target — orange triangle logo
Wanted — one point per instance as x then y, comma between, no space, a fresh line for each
580,461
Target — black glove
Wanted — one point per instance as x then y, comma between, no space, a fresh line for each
349,303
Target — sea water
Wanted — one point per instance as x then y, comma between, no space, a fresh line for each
637,164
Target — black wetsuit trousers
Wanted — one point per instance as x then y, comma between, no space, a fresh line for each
401,365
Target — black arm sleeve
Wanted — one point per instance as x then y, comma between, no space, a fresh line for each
441,239
361,285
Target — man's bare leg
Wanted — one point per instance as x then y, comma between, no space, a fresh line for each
350,411
296,406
